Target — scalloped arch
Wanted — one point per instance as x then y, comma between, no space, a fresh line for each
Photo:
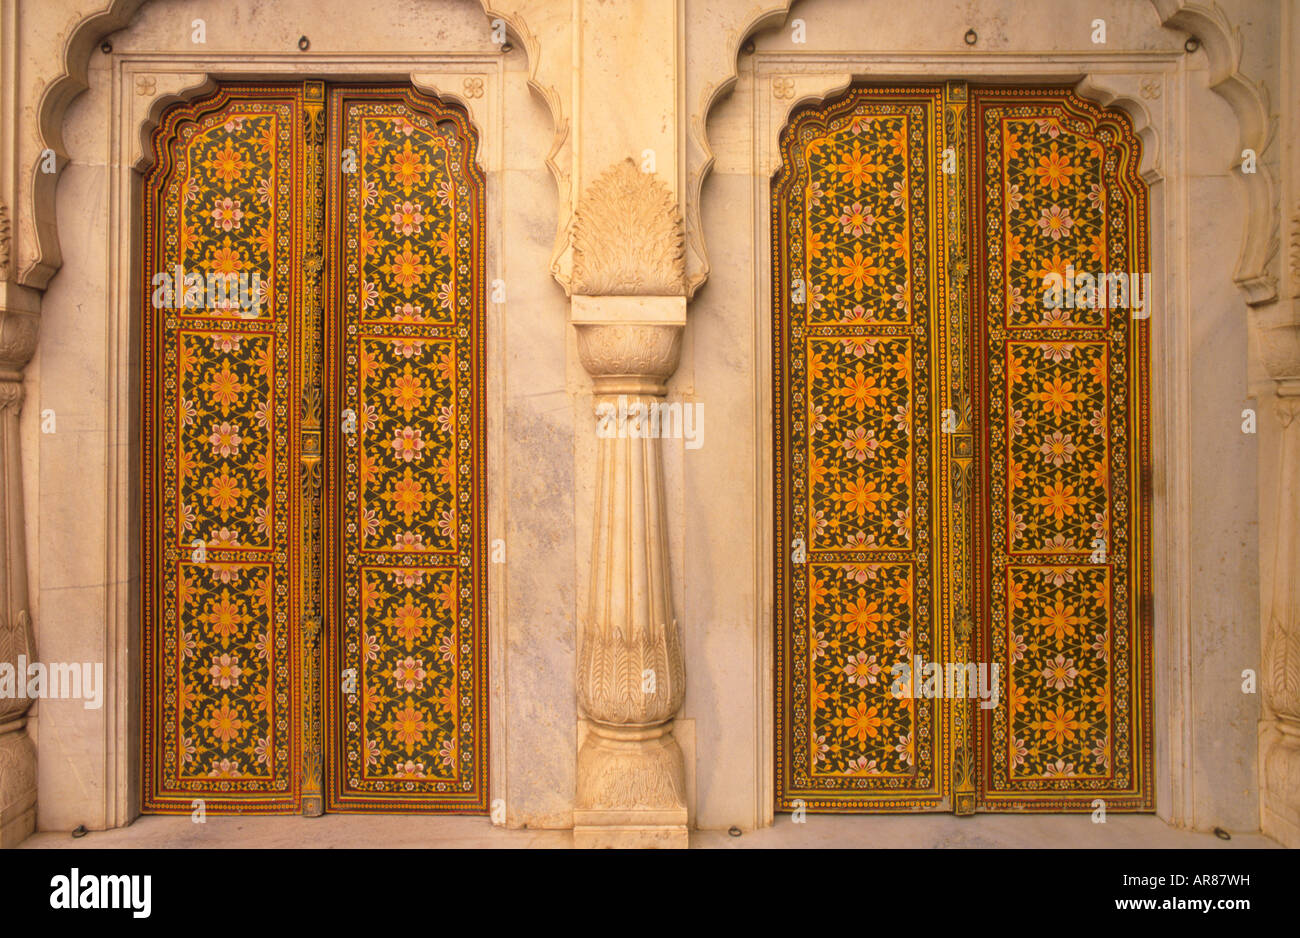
1222,43
74,79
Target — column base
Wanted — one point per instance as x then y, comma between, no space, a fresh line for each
596,829
17,788
1279,796
631,789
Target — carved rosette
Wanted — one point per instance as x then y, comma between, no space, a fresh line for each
629,310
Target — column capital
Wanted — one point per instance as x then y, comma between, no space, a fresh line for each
629,344
20,317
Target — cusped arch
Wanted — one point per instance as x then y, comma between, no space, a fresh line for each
74,79
1208,24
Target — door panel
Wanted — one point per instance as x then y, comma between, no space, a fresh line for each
1064,521
221,490
859,346
406,359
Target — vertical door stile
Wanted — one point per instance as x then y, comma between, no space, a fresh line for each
310,362
958,424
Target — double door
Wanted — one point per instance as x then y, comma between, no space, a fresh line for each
961,301
314,579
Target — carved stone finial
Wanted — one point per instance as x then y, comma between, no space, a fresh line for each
628,237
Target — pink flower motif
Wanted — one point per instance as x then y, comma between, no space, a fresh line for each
225,672
856,220
369,294
409,674
1060,673
1058,449
861,443
407,217
862,670
408,348
408,444
227,214
225,439
447,524
1055,222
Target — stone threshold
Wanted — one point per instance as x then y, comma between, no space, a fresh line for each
820,831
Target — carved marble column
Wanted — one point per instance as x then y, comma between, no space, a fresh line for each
1277,333
1279,740
629,310
18,327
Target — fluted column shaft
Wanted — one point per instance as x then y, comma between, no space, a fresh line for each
631,675
18,329
1280,726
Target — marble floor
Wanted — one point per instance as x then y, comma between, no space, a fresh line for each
880,831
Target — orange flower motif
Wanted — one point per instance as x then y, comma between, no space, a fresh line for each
225,492
408,623
1058,500
862,616
228,164
1060,621
224,616
1060,726
225,259
858,271
1054,170
860,390
407,497
1057,396
407,391
225,722
860,496
857,167
408,727
407,268
407,168
862,721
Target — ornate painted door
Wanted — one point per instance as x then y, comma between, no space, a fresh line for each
961,508
312,455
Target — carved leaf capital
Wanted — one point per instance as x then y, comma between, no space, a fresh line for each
627,237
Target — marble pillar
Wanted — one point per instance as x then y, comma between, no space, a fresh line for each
18,328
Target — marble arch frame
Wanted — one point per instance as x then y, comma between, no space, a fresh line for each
142,85
820,78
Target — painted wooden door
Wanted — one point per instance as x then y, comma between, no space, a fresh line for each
313,615
961,510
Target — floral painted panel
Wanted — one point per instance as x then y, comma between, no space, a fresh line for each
1064,554
406,694
220,483
858,333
